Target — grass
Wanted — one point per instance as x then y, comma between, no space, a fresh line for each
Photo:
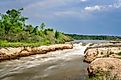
25,44
47,40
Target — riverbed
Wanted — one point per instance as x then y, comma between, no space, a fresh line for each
58,65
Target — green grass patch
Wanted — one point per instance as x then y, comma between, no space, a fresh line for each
23,44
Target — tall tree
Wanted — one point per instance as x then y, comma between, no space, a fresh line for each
13,21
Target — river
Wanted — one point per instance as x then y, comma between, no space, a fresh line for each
58,65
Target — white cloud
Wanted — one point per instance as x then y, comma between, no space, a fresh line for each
83,0
102,7
93,8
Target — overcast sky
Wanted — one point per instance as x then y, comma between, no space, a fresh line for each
101,17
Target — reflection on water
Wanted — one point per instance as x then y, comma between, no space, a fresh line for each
59,65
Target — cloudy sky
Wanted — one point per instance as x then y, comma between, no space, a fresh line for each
101,17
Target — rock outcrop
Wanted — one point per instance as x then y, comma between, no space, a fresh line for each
14,53
92,53
105,61
105,69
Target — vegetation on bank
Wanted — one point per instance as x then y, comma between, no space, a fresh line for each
101,75
93,37
15,32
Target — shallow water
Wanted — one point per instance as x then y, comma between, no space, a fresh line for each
58,65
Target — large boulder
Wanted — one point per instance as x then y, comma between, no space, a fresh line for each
105,69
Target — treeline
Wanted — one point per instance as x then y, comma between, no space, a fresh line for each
93,37
13,29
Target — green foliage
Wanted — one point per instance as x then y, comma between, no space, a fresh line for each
92,37
45,31
29,28
20,44
15,32
12,21
100,74
56,34
42,26
61,38
104,76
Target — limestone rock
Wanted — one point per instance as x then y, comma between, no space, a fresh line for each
109,68
100,52
14,53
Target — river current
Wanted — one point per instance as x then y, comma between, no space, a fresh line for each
58,65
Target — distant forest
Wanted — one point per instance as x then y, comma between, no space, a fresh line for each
93,37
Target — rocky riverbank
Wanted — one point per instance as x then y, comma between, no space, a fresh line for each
9,53
104,61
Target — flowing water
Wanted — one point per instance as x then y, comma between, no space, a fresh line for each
58,65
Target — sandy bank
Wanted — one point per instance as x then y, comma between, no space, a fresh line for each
9,53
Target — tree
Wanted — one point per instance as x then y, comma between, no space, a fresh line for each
13,21
13,28
16,18
29,28
56,34
35,31
42,26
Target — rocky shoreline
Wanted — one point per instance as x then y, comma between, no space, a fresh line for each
104,61
9,53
